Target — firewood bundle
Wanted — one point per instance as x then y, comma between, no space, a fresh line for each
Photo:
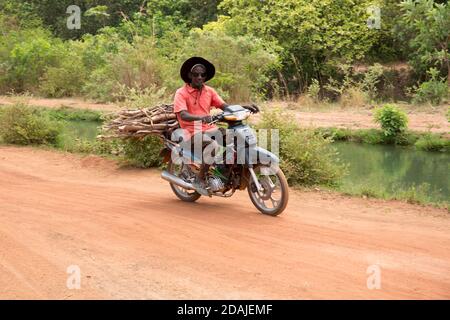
140,123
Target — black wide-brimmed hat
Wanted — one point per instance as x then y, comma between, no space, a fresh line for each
189,63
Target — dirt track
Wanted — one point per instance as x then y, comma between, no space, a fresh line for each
131,238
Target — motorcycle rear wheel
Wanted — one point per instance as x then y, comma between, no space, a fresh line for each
181,193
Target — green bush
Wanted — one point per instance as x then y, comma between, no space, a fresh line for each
25,58
406,139
314,90
135,66
432,142
306,157
103,92
393,121
369,136
135,98
142,153
19,124
68,77
335,134
433,91
371,79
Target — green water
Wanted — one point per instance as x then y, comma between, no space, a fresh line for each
391,169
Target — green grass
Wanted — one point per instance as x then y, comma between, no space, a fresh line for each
422,141
71,114
416,194
432,142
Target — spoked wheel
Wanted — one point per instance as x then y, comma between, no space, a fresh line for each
183,172
274,196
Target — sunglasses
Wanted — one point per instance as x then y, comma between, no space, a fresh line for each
196,74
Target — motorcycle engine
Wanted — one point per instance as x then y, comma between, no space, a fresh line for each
216,184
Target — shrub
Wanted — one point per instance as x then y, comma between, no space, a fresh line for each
104,92
68,77
335,134
432,142
371,79
306,157
369,136
353,97
27,56
433,91
19,124
313,90
142,153
393,121
134,98
135,66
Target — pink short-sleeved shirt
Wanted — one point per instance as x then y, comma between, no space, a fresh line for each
196,102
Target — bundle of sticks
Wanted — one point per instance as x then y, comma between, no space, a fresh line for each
140,123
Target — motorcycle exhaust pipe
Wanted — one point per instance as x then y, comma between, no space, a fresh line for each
177,181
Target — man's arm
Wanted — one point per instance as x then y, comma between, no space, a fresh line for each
186,116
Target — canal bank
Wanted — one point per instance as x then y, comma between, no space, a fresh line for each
373,170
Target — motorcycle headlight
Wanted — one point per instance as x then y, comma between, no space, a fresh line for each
237,116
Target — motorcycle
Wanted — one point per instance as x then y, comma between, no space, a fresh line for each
247,166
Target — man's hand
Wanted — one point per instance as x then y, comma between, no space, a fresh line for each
253,108
207,119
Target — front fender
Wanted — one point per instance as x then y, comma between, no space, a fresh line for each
266,157
269,162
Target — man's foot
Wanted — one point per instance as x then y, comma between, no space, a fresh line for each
200,186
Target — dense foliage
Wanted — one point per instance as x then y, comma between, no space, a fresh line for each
325,49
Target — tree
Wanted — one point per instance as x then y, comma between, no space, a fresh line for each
316,35
426,26
191,13
54,16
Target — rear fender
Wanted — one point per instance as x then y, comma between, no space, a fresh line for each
165,154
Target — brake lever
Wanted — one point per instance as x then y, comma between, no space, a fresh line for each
216,118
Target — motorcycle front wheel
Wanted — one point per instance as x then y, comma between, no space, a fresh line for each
273,199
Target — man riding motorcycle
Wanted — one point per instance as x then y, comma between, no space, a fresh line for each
192,105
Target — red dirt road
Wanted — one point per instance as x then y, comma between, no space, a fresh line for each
131,238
